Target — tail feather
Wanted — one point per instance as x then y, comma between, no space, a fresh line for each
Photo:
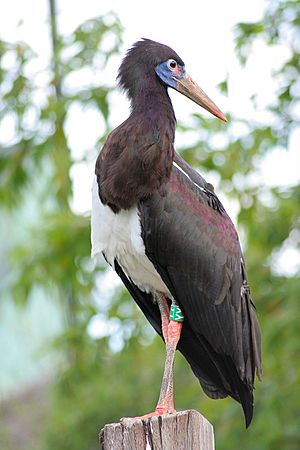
217,374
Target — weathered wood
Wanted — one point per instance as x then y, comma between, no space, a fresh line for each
185,430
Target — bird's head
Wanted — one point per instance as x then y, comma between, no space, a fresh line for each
148,60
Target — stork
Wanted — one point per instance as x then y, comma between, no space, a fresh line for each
160,225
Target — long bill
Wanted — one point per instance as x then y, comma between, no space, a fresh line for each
188,87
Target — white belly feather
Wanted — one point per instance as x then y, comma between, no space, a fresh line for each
119,236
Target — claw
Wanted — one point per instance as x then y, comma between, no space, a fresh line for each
159,411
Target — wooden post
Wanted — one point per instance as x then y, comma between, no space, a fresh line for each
185,430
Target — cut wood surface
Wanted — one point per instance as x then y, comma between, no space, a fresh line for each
185,430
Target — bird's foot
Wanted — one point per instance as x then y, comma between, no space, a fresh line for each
159,411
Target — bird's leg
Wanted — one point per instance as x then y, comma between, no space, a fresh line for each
166,399
171,329
164,314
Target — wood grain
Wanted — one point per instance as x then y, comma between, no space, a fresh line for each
185,430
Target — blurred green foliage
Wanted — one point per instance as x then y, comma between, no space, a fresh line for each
101,380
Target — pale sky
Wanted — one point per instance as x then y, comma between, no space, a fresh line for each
200,31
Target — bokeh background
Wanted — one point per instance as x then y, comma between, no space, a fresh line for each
75,352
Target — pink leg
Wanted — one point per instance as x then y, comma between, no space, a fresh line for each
166,399
171,332
165,315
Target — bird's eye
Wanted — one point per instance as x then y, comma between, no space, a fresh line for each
172,64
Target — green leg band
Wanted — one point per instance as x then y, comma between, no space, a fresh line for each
176,314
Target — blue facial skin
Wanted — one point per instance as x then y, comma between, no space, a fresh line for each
166,74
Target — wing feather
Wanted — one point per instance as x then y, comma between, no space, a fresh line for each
195,248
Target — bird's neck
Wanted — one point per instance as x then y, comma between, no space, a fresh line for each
152,103
137,157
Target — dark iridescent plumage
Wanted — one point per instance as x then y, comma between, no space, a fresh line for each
187,234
